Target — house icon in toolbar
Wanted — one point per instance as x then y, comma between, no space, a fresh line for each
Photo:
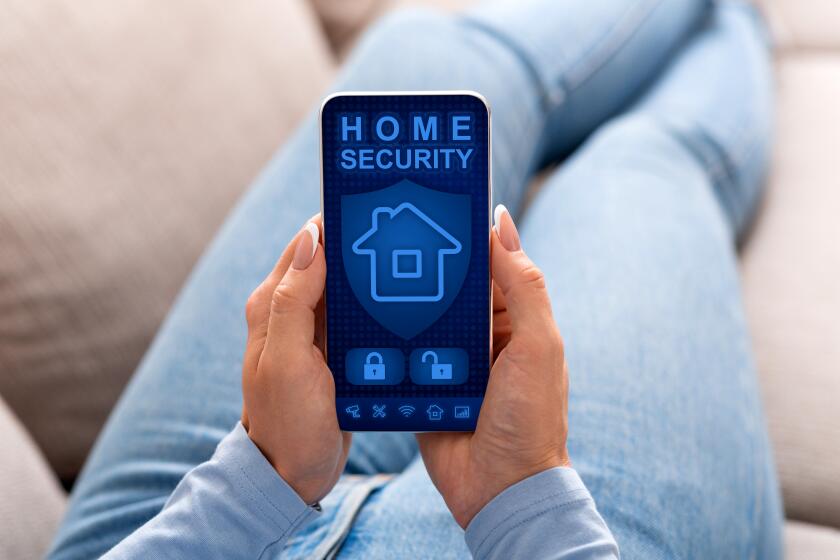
435,412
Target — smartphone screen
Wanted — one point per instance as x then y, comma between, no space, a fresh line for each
406,209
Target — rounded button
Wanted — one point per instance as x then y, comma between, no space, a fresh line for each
374,366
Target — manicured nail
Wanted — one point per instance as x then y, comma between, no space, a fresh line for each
505,228
306,246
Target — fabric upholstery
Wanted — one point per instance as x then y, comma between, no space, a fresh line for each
810,542
804,24
128,132
791,269
344,21
31,502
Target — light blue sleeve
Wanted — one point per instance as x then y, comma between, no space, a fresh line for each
232,506
549,515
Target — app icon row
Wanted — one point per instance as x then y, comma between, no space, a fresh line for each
426,366
433,412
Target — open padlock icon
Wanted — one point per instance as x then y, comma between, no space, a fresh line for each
374,371
439,371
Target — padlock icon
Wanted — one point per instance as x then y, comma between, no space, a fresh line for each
374,371
439,371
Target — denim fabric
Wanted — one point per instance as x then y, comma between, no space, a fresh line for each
635,232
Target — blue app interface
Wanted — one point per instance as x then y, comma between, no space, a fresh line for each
406,230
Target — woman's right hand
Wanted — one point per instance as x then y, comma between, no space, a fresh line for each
288,390
523,423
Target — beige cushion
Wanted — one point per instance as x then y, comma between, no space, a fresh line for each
810,542
804,24
31,502
792,287
128,130
344,21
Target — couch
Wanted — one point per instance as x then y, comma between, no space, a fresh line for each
146,123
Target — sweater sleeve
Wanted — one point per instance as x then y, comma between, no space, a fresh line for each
548,515
232,506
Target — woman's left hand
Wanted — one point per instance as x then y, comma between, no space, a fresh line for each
288,390
523,424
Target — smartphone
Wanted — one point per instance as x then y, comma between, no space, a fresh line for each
406,190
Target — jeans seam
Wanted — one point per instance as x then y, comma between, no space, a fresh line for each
289,530
719,164
349,509
606,47
603,48
522,54
725,174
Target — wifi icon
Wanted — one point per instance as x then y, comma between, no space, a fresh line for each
406,410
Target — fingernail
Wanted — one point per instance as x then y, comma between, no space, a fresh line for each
306,247
505,228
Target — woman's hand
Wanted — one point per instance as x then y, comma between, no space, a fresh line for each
523,423
289,394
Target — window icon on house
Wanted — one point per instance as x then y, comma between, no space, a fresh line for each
407,251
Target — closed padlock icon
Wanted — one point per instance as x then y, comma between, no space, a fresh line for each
439,371
374,371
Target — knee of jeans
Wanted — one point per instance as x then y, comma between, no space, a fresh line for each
753,13
640,135
425,49
675,150
656,146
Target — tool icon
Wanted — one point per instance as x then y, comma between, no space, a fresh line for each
439,371
379,410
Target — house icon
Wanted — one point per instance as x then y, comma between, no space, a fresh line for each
435,412
406,250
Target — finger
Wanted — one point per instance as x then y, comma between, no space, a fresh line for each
286,259
501,321
429,447
501,333
429,442
291,323
438,447
259,304
520,281
499,303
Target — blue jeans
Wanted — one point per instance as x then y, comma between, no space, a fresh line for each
664,111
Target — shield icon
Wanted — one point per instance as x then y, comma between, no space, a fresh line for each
406,252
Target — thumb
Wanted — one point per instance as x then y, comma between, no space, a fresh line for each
519,279
291,323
